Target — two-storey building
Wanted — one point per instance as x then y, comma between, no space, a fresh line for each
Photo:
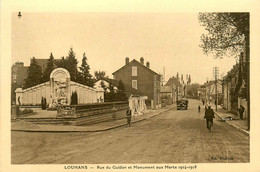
139,76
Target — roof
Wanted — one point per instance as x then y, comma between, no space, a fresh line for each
111,81
231,74
135,61
166,89
213,82
174,81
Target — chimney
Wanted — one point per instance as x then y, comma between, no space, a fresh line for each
148,64
126,60
142,60
19,64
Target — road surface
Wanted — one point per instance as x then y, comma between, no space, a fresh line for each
171,137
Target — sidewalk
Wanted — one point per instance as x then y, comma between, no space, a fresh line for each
237,123
30,127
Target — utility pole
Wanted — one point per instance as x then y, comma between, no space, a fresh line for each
215,75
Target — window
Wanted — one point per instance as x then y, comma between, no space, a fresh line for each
134,84
134,70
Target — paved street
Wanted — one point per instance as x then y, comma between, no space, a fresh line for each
171,137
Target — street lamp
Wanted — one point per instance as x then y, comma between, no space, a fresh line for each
19,15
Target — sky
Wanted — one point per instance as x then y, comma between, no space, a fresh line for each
166,40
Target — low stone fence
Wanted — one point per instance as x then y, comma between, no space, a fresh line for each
97,106
93,113
28,106
77,111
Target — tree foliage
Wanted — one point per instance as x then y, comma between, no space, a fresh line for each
49,68
34,74
189,80
100,74
121,95
61,63
84,76
226,33
71,64
81,75
118,94
192,90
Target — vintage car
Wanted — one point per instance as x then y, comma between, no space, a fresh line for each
182,104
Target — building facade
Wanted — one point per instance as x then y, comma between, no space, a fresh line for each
19,73
232,86
140,77
177,89
211,88
229,84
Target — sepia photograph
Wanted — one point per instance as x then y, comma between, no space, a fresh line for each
130,88
124,90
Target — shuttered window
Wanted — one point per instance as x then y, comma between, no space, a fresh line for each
134,84
134,70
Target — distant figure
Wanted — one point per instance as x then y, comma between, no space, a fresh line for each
241,111
199,108
128,116
209,115
203,102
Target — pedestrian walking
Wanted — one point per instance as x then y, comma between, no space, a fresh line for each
209,115
203,102
128,116
199,108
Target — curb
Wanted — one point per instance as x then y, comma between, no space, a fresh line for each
100,130
235,126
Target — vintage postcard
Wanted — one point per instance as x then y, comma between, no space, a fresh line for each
129,86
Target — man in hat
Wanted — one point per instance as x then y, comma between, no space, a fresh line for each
209,115
128,116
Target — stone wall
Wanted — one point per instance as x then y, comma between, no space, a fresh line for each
87,94
33,95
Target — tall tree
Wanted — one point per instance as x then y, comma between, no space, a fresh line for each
49,68
227,33
71,64
85,76
61,62
34,74
100,74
